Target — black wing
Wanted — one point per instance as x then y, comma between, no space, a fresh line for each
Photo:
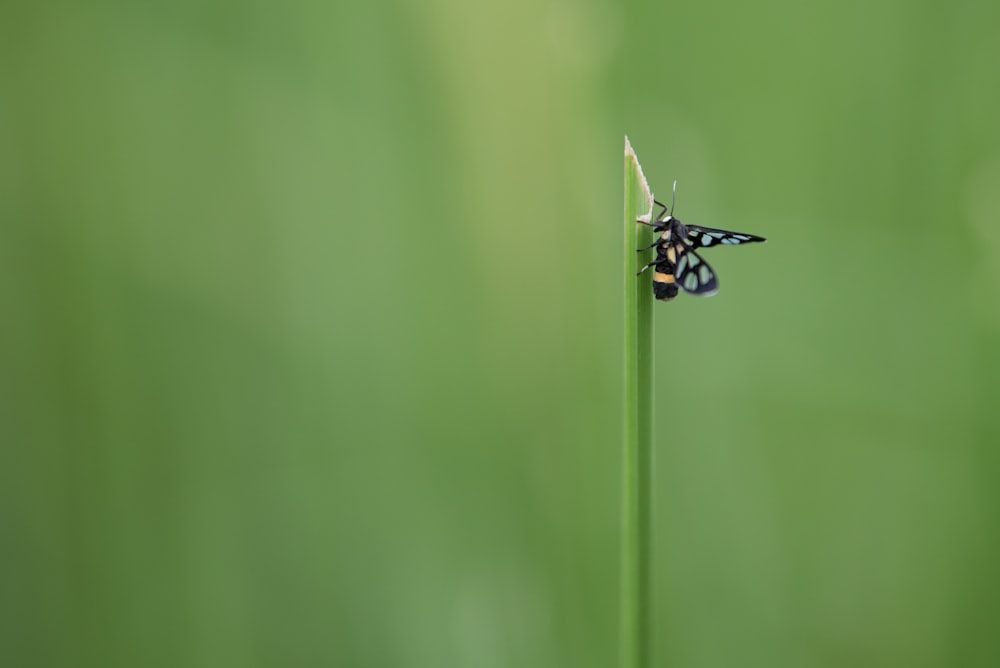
703,237
693,274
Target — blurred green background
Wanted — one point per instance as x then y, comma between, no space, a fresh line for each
310,332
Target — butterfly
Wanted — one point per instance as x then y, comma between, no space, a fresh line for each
677,263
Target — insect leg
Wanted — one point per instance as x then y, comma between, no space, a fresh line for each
647,267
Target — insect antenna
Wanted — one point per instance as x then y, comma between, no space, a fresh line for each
663,206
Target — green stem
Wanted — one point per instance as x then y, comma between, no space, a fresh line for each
637,453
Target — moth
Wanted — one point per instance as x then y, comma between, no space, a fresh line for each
677,263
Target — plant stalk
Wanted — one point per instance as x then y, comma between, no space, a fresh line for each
637,452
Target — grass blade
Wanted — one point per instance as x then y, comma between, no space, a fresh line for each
637,453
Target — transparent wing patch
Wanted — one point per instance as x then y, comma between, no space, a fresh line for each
693,274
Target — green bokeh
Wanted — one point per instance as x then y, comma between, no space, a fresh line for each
310,332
